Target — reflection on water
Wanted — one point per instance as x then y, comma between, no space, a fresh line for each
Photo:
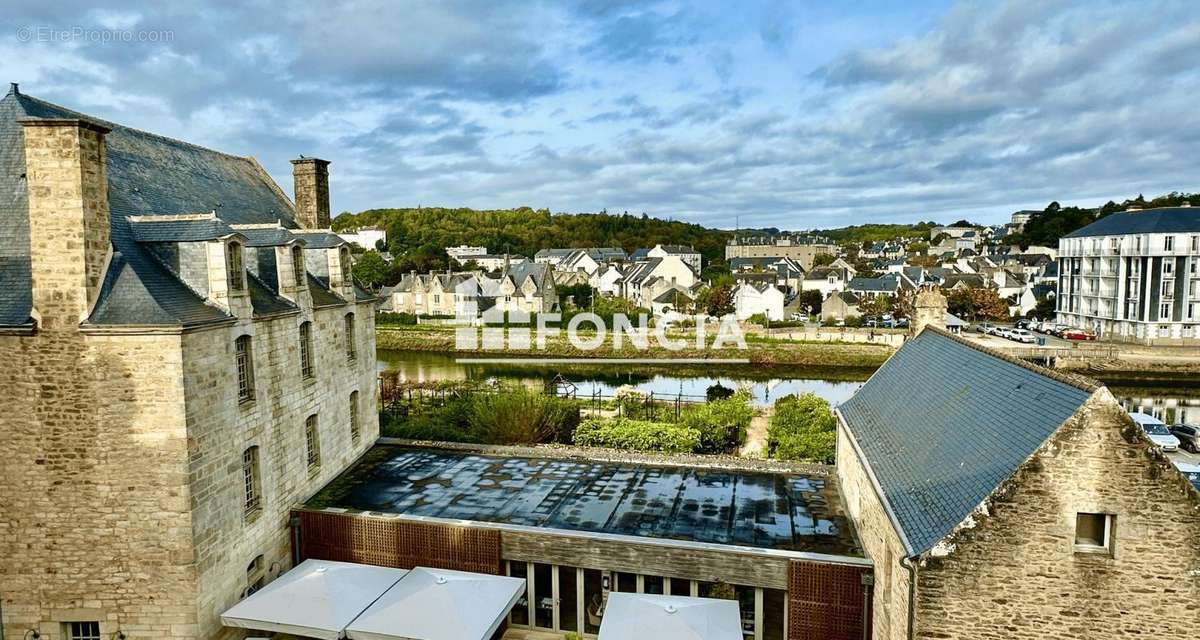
766,387
1171,404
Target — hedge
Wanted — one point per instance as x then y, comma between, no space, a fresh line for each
637,435
803,428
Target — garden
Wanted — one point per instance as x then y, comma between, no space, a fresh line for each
801,428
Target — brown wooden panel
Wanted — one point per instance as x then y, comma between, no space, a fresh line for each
828,601
395,543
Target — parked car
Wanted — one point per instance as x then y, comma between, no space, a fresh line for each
799,317
1157,430
1022,335
1078,334
985,328
1024,323
1003,332
1190,471
902,323
1188,436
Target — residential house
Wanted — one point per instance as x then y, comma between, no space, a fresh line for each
750,299
840,305
827,280
607,280
802,248
433,294
674,299
527,287
785,273
891,284
643,281
1067,522
690,256
367,237
464,252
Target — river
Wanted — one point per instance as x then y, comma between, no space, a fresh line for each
1171,402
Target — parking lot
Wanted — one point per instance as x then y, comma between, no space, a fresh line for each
1184,456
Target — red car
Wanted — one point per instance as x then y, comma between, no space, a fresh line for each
1078,334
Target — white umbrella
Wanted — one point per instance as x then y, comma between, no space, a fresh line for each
633,615
439,604
316,599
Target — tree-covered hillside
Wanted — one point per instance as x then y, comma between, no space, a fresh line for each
525,231
1047,226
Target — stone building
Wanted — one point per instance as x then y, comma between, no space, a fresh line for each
999,500
185,359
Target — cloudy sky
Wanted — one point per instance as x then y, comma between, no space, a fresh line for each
796,114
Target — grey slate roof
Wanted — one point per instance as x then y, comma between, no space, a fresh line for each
943,423
1161,220
148,175
150,230
258,236
320,239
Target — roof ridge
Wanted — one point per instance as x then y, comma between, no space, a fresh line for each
1074,380
114,125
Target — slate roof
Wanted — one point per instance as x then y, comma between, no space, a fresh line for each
1161,220
148,175
320,239
167,229
263,236
944,422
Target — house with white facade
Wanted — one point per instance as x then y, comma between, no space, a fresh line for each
751,299
827,280
367,237
689,255
645,280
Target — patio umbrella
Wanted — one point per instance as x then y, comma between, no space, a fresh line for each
316,599
439,604
643,615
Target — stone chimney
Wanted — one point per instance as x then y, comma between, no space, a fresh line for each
311,176
929,310
69,245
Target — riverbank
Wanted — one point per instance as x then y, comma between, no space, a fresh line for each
759,350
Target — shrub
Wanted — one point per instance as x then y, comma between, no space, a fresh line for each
759,319
385,318
448,423
717,391
854,321
802,428
721,423
521,416
637,435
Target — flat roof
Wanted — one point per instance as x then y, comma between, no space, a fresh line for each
764,509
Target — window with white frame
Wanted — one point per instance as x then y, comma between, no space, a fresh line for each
244,350
1168,267
256,575
1168,243
1164,311
1195,244
312,443
351,349
1094,532
233,261
306,350
251,482
355,433
298,266
1168,288
89,630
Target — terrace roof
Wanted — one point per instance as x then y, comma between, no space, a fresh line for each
762,509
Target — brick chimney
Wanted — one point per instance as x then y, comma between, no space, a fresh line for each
311,176
929,310
69,245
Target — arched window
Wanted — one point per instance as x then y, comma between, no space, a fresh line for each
351,351
253,482
298,266
345,260
312,443
306,350
354,429
244,350
233,260
256,575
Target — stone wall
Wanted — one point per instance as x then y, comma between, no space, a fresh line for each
1015,574
94,505
221,429
879,540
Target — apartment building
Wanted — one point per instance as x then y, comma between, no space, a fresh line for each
801,248
1134,275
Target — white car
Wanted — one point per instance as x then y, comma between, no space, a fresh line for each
1021,335
1157,431
1003,332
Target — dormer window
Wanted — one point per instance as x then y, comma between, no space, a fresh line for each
345,260
298,266
233,261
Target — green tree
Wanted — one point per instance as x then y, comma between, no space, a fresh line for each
579,294
371,270
977,304
822,259
716,299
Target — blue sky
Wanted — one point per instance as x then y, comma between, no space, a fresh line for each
789,114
